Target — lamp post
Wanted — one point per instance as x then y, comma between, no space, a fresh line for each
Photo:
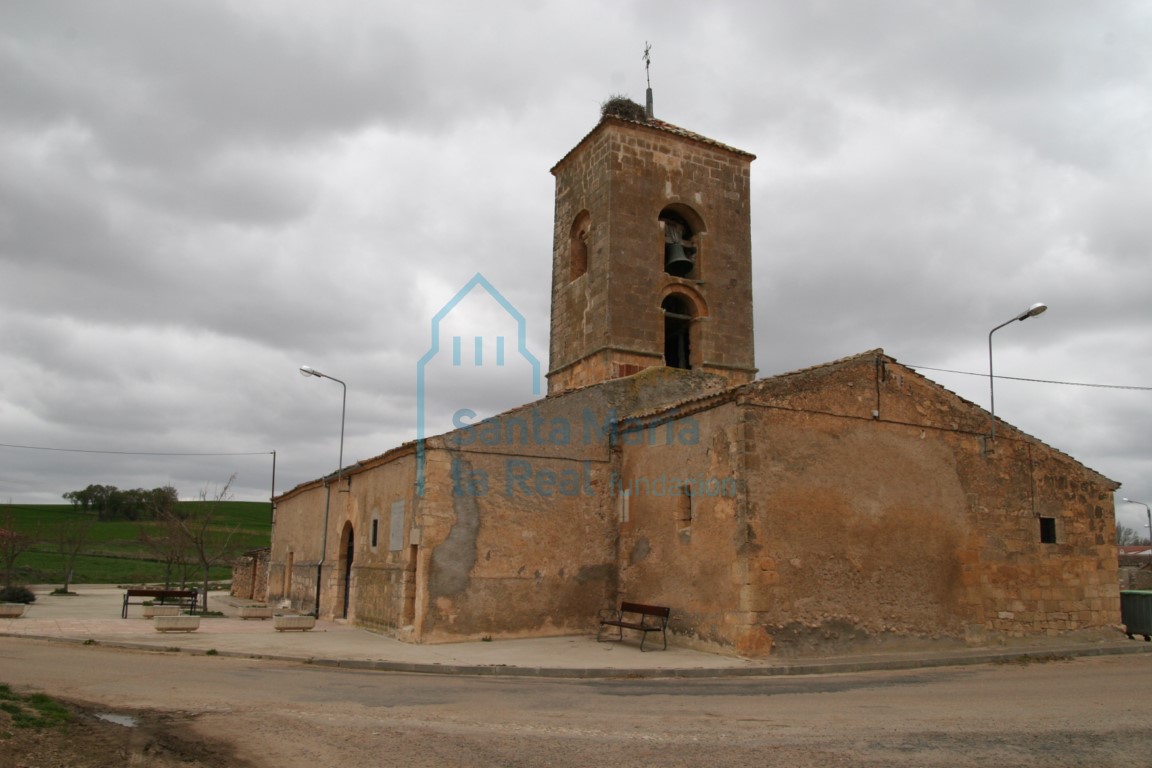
1036,309
1147,510
307,370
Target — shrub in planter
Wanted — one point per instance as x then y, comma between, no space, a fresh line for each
17,595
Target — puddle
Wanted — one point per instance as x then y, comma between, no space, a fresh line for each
125,720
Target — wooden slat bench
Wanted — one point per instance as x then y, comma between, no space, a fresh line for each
637,616
183,597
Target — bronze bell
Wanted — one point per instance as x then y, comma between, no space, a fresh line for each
678,259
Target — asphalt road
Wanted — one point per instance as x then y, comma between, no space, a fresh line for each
1083,712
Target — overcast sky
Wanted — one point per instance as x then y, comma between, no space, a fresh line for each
198,197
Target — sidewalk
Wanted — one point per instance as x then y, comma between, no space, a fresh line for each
93,616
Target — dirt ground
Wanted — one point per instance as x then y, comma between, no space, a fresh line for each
221,712
88,741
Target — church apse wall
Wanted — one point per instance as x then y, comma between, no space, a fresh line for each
879,512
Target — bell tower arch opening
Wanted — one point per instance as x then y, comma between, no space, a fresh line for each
681,227
679,315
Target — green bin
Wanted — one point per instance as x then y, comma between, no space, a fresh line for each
1136,612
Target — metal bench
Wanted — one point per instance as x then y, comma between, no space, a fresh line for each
182,597
636,616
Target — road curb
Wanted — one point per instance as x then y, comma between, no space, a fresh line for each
782,669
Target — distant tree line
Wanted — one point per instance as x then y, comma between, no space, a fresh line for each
185,539
110,503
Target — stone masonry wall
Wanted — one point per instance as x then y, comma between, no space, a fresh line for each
250,576
372,492
295,552
879,512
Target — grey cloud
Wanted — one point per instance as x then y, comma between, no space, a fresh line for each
196,199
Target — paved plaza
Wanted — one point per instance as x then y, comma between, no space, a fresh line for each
92,615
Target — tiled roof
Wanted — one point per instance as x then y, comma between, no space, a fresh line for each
655,125
686,134
702,402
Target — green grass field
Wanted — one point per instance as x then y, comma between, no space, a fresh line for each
114,553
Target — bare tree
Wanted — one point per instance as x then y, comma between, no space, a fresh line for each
71,539
165,539
203,529
1128,537
12,545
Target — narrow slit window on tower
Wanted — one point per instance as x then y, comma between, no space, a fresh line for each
578,246
677,332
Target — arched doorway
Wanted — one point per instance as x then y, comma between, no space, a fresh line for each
347,552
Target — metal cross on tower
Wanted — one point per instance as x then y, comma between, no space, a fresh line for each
648,79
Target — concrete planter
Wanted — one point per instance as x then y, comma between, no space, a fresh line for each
255,611
12,610
176,623
152,611
302,623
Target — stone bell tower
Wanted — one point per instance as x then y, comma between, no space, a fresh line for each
652,254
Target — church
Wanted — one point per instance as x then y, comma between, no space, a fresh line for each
847,504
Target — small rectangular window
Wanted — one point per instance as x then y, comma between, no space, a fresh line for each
375,530
684,507
622,505
396,527
1047,530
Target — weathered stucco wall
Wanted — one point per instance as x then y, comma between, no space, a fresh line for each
530,557
520,513
682,532
858,530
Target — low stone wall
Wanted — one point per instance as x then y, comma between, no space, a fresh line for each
250,575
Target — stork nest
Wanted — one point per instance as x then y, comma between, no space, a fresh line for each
623,107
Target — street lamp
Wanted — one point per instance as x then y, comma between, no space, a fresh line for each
1146,509
1036,309
307,370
